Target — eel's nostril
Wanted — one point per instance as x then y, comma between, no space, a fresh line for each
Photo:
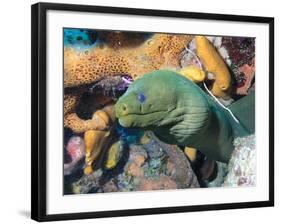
124,107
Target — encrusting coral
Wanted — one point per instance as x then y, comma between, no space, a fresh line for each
150,166
162,50
74,152
99,121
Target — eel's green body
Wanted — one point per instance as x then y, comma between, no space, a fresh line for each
180,112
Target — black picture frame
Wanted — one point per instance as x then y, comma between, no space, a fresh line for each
39,124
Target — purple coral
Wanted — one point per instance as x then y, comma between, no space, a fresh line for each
112,86
241,50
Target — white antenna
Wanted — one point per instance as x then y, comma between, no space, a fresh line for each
232,115
210,93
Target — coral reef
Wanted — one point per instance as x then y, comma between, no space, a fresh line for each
100,121
162,50
241,51
242,166
238,53
217,177
94,64
245,78
98,96
75,151
151,166
121,136
79,38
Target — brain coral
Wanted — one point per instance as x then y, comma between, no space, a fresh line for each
85,67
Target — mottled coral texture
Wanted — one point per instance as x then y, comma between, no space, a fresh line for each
162,50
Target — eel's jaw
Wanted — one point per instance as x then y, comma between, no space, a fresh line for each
125,121
142,120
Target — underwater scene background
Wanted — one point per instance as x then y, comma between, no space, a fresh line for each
157,111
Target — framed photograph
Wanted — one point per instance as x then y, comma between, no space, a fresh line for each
139,111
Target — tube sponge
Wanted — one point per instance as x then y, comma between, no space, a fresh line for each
214,64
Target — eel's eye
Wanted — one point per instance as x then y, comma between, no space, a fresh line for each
141,97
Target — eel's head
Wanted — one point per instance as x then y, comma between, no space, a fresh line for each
147,101
163,98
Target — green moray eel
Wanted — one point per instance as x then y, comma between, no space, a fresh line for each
179,112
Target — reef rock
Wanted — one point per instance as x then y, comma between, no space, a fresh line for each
88,183
74,152
161,183
156,166
242,165
152,165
